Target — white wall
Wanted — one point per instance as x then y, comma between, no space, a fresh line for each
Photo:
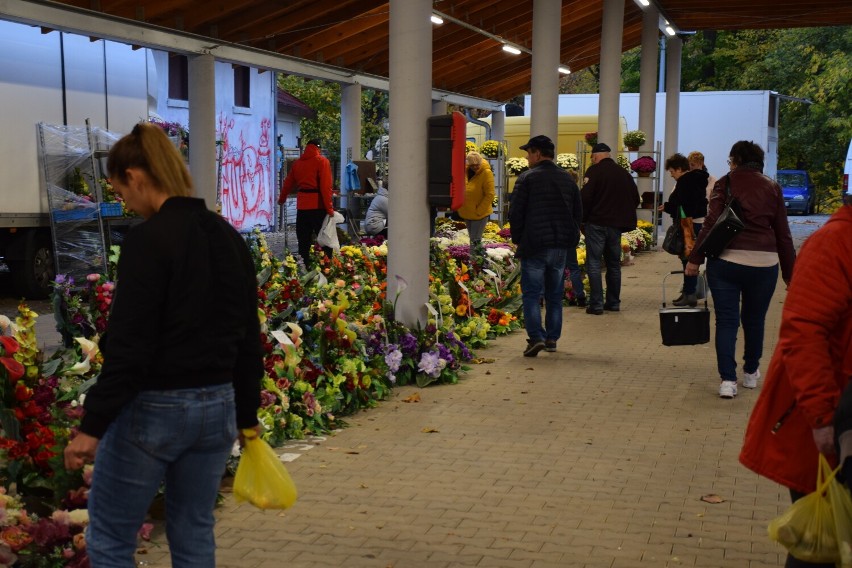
710,122
247,151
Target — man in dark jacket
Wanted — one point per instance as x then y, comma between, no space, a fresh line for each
545,218
610,199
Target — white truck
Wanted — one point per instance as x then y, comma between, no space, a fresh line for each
58,78
709,121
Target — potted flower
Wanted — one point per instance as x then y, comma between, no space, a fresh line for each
644,166
490,149
469,147
515,166
633,139
567,161
622,161
591,138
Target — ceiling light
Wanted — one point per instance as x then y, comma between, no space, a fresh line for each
645,2
670,30
511,49
564,70
436,19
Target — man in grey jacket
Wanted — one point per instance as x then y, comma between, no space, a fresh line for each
545,218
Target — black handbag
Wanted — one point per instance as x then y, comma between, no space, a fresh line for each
727,226
673,242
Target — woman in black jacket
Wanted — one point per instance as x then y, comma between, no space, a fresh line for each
690,194
182,362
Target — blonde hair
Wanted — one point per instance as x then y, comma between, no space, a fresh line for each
473,158
696,157
148,148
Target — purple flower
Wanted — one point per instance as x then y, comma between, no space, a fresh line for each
431,364
408,345
393,359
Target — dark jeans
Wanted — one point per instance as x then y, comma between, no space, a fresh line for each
793,562
576,274
603,244
544,272
729,282
690,283
308,225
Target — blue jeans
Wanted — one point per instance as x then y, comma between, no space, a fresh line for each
729,282
544,272
690,283
603,244
576,275
182,437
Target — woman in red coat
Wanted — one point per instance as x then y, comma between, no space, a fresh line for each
792,420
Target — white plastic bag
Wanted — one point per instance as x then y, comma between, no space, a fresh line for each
327,236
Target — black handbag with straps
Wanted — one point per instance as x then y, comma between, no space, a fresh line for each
727,226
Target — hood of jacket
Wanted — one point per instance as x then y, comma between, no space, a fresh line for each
310,152
383,191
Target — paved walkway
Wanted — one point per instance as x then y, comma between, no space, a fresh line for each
595,456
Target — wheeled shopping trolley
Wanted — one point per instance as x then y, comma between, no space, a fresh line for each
684,325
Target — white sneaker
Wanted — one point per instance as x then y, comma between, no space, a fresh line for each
728,389
750,379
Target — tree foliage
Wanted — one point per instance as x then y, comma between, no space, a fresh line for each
804,63
324,98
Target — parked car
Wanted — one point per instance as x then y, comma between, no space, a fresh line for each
799,191
847,173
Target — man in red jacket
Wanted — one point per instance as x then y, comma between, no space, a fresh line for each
310,177
792,420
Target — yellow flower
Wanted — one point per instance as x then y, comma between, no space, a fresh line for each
461,310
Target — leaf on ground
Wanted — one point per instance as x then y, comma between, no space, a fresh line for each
481,360
413,398
428,430
712,498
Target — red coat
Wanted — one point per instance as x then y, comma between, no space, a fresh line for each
311,177
812,361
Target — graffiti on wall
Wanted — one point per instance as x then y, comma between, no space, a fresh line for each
245,173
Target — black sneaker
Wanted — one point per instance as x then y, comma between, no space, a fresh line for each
594,311
581,302
533,347
550,346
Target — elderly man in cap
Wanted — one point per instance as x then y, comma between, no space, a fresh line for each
310,177
610,199
545,218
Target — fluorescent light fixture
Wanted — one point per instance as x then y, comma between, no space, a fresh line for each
670,30
511,49
564,70
436,19
645,2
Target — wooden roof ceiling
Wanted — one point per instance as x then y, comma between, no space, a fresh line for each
354,33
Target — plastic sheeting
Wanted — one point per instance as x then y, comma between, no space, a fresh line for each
73,163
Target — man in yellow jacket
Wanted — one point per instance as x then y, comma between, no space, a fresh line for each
478,200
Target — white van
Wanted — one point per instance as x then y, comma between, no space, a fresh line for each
847,174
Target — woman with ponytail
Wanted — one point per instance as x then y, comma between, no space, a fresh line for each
182,362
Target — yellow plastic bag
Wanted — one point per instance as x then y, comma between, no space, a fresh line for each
841,504
808,529
261,478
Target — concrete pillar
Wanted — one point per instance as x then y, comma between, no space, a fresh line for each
202,125
610,76
547,29
674,47
350,132
648,89
647,77
410,107
498,124
439,107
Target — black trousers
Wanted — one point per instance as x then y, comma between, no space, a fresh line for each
308,225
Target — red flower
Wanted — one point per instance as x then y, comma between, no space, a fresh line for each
14,368
10,345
